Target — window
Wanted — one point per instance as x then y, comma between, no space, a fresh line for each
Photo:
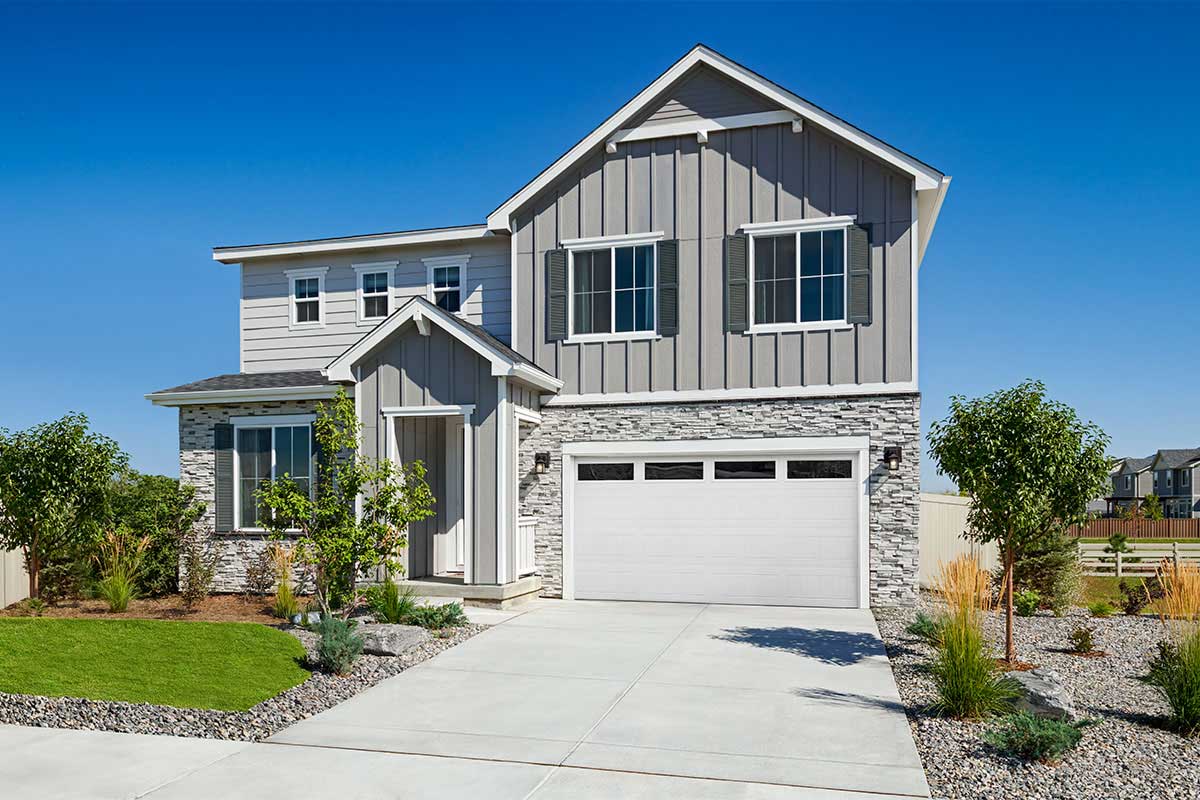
1155,482
612,290
307,297
374,290
1127,481
446,275
799,277
265,453
734,470
674,470
1185,478
605,472
1168,480
818,469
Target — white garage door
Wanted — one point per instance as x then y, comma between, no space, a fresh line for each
774,529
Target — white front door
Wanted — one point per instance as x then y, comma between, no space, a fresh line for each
753,528
454,538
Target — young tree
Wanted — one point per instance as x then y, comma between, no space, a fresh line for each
1152,507
54,489
1030,465
163,509
334,540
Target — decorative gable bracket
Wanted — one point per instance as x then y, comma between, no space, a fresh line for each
701,128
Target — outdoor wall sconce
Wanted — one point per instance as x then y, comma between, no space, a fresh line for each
541,462
892,457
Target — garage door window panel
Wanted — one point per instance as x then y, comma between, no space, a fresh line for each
606,472
744,470
674,470
818,469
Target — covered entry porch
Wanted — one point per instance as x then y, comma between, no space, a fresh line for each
434,388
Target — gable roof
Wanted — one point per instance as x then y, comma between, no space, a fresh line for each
304,384
926,177
505,361
1174,459
1136,465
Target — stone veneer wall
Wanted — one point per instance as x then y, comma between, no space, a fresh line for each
887,419
197,462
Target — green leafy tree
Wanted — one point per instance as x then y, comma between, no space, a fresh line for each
1152,507
1030,465
164,510
335,541
54,490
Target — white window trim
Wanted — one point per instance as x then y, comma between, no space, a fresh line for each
272,422
294,275
796,227
611,243
459,261
388,268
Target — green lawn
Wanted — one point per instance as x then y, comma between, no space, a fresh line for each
229,666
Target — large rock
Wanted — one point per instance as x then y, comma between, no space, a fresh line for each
1043,693
390,640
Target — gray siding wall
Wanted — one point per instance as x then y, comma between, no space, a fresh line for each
268,344
704,94
424,439
697,194
415,370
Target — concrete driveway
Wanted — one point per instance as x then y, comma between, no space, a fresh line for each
597,700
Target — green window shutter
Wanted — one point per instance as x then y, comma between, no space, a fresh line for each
223,477
668,287
556,295
737,283
858,275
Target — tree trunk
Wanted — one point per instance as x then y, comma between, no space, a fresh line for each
34,566
1010,652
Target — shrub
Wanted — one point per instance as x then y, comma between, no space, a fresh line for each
339,646
389,603
164,510
1102,608
1175,671
197,568
1081,640
260,571
285,604
120,557
1136,595
968,681
1032,738
449,615
926,627
1027,603
1052,570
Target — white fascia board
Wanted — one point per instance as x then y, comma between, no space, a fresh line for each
709,395
427,411
616,240
929,206
783,444
219,396
794,225
926,177
234,255
665,130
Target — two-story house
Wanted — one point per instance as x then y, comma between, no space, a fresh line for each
679,364
1170,475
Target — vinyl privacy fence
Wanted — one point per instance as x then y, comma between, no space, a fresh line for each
14,584
943,522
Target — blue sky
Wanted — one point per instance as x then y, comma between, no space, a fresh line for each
134,138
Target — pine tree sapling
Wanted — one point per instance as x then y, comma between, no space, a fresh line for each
1033,738
339,646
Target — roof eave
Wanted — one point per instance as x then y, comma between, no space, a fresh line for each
238,254
214,396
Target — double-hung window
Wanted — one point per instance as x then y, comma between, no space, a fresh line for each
797,274
266,450
612,287
373,291
446,275
306,297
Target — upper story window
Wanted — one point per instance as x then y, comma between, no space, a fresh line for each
306,297
268,448
1127,481
446,278
1155,482
374,290
1185,478
611,285
1168,480
798,277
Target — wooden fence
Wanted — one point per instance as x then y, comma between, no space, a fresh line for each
1139,528
943,522
1143,560
14,584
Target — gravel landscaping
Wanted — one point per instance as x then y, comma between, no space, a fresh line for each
318,693
1123,755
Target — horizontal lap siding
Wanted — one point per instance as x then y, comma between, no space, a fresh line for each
268,344
698,194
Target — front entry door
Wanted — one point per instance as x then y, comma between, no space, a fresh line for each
454,538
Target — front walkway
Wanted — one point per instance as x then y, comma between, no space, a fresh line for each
588,699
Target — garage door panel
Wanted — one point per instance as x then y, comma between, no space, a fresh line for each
760,541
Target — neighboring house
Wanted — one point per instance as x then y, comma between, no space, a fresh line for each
1171,475
680,364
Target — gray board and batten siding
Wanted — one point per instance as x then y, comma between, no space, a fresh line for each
698,194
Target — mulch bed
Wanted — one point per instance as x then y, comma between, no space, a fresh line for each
217,608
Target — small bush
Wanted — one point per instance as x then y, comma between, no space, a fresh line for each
1026,603
927,628
117,590
1032,738
1081,640
260,569
1102,608
120,557
339,646
389,604
285,605
35,606
449,615
1137,594
1053,572
197,568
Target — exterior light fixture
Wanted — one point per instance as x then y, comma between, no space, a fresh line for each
892,457
541,462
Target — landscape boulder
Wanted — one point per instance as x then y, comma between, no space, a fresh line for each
1043,693
390,640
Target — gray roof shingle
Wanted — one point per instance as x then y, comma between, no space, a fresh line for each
1174,459
252,380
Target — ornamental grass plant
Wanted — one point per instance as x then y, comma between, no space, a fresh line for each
1175,671
285,605
120,556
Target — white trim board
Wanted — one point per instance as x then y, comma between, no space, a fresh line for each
856,446
239,253
710,395
217,396
700,128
